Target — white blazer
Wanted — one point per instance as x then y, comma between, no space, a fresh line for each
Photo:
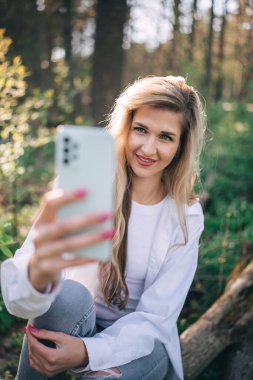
171,269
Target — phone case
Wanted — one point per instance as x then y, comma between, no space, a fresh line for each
85,158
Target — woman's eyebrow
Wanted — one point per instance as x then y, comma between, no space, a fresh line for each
140,124
146,127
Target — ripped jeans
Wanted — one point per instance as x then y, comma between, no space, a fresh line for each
73,312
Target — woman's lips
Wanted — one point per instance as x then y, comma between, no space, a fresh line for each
144,161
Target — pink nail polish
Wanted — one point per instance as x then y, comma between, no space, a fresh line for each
33,329
25,328
80,193
108,234
104,216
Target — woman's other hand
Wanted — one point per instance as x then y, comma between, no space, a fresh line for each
69,351
52,239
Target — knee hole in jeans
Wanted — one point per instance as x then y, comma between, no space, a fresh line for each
113,373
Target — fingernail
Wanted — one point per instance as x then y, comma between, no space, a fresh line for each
25,328
103,216
80,193
108,234
33,329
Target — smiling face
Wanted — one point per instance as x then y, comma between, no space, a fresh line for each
153,141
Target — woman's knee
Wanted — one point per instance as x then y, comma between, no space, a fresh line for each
109,374
72,308
72,296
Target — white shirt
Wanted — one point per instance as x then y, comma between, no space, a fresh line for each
141,228
171,268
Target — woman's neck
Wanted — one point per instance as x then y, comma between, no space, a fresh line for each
146,192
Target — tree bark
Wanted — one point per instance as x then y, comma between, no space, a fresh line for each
174,57
108,56
219,83
225,323
26,36
67,34
208,59
238,360
193,31
246,88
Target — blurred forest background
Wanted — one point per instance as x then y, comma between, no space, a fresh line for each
65,61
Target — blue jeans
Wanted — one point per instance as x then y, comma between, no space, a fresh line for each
73,312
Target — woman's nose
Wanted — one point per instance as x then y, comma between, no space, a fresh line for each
149,146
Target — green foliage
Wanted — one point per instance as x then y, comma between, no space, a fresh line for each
5,243
228,205
23,136
5,318
228,160
230,152
227,189
12,346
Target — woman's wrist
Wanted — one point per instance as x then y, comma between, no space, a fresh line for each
86,357
39,282
83,361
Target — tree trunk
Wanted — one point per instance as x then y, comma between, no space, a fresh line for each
238,54
219,83
246,88
225,323
174,58
208,60
26,27
67,34
108,56
193,31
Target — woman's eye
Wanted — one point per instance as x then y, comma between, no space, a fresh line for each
140,129
166,137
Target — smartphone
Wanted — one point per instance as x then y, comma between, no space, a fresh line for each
85,158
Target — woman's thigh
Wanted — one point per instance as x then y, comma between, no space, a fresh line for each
151,367
72,312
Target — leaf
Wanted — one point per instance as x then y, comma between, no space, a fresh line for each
17,60
6,251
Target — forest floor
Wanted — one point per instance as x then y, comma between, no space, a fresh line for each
9,351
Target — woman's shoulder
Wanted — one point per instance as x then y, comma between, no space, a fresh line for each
192,208
192,216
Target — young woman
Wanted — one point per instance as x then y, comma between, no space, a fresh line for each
123,323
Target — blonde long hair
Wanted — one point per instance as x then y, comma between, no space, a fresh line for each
174,94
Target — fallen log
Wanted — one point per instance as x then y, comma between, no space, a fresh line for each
225,323
238,360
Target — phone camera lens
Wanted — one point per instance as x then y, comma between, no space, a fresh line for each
66,161
66,150
66,139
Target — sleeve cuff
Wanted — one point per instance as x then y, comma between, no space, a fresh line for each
99,352
21,263
22,299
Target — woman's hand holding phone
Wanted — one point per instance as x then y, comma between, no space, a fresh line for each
52,238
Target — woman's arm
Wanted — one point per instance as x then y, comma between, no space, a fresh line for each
30,280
